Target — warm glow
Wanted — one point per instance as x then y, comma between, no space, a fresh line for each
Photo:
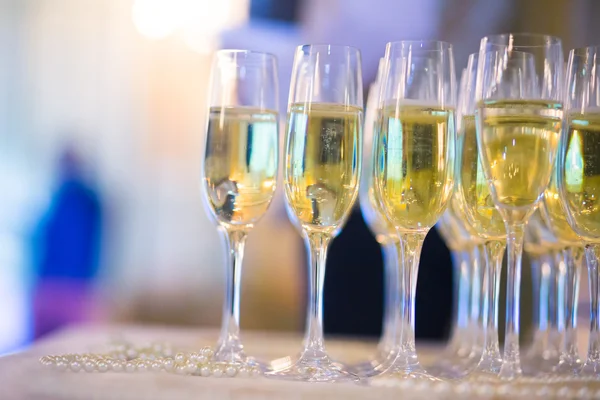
156,19
197,21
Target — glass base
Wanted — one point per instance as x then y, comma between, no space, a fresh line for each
314,368
591,370
455,367
510,371
374,366
539,364
402,367
568,367
487,369
233,353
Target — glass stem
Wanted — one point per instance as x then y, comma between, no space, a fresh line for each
410,246
554,331
313,342
592,252
511,365
491,359
536,280
573,258
230,347
461,271
545,276
390,270
476,308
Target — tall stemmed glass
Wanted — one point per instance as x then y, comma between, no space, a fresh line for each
519,119
240,166
578,176
413,168
483,218
572,254
322,172
384,232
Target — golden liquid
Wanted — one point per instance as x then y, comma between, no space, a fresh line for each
518,143
554,215
414,165
240,164
582,174
323,163
374,216
479,210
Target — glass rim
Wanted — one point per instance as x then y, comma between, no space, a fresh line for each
329,47
583,51
249,54
503,39
404,44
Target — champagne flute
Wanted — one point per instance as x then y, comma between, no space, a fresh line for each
240,167
322,172
572,255
413,170
384,232
519,119
578,177
482,217
465,343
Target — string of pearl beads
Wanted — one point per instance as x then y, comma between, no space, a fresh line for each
152,358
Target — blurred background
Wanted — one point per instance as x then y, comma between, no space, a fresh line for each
102,116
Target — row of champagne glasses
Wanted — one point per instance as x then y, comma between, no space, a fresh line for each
510,117
321,174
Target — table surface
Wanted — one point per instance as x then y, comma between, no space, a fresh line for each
23,377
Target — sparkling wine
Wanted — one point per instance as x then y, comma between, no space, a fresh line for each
414,169
240,168
323,163
554,214
371,209
479,211
518,144
582,173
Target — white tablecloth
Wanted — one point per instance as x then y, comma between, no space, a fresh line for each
23,377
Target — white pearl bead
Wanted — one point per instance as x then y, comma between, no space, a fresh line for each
142,366
191,367
230,371
243,372
169,363
131,353
202,359
102,366
117,366
180,358
156,366
207,352
217,372
180,370
89,366
75,366
194,357
167,352
130,367
205,371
